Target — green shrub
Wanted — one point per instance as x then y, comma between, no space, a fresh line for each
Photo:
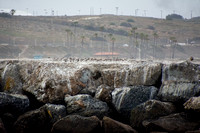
151,27
130,20
174,16
112,23
125,24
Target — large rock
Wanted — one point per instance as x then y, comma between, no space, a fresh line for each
175,91
85,105
77,124
103,93
181,72
113,126
2,128
32,122
11,79
84,81
50,82
40,120
126,98
56,112
180,81
151,109
8,121
193,104
132,75
196,131
13,103
177,123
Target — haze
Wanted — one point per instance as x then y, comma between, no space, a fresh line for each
148,8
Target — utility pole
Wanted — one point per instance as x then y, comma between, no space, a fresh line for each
91,11
27,11
161,14
57,13
145,13
45,12
100,12
52,12
136,11
117,8
191,14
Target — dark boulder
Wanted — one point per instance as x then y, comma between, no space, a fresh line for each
193,104
180,81
178,92
55,112
176,123
32,122
8,121
11,79
13,103
103,93
2,128
181,72
113,126
40,120
126,98
77,124
151,109
85,105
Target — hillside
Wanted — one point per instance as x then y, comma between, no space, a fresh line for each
82,36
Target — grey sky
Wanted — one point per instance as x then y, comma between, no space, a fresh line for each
85,7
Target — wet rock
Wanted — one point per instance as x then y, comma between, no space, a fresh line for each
132,75
13,103
77,124
55,112
193,104
178,123
32,122
113,126
177,91
11,79
103,93
85,105
181,72
126,98
151,109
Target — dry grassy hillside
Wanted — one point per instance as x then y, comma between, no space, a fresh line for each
41,34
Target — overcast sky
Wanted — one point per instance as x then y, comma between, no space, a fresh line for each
150,8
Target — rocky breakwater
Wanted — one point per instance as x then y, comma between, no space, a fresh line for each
74,95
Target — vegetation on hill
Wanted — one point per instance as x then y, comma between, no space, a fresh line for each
97,32
174,16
